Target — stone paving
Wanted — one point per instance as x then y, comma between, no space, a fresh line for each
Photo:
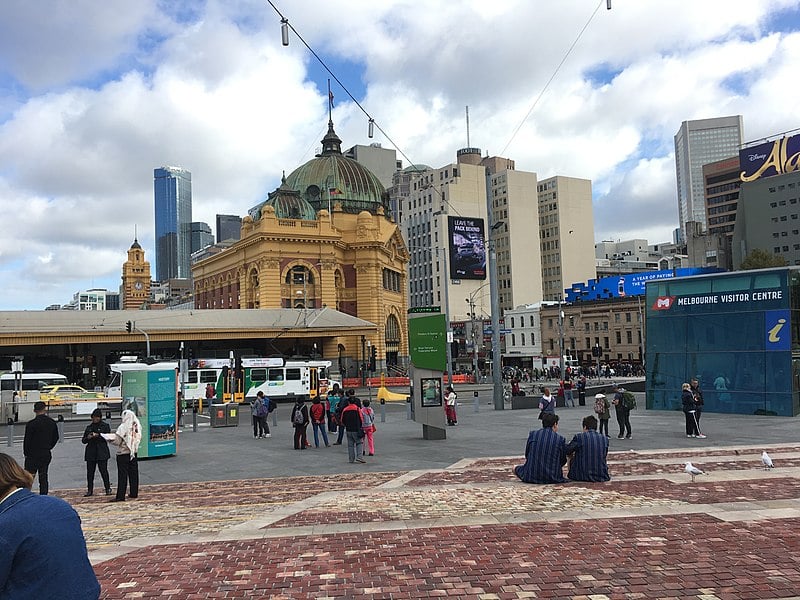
469,531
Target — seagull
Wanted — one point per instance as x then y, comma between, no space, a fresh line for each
692,470
766,461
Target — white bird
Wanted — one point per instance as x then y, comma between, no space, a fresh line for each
766,461
692,470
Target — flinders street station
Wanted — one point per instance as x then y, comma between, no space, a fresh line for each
324,239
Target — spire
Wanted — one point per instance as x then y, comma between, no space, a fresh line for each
331,144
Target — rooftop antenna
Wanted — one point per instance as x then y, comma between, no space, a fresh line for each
467,111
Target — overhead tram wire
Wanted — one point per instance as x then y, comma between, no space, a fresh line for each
285,22
552,77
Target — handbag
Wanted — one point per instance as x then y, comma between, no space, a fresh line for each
541,414
374,428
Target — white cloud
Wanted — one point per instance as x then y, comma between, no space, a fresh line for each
95,96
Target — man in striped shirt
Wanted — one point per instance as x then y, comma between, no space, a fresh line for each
545,454
588,452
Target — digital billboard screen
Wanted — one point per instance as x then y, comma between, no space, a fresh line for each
467,248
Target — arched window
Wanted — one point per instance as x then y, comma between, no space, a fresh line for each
392,340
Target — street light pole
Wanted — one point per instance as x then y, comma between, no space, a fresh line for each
494,293
473,332
561,339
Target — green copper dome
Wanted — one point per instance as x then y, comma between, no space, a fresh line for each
331,178
289,204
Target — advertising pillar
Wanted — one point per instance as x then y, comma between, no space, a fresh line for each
427,335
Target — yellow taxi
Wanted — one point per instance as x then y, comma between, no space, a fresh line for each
56,395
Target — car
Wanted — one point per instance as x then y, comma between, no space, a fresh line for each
63,394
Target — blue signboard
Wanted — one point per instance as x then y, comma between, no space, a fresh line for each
633,284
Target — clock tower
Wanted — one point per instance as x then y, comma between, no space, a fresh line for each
135,279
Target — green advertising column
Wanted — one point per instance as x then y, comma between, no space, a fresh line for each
427,338
152,395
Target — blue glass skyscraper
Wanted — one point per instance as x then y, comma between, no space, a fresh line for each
173,210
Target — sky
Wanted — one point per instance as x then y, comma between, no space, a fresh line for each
95,95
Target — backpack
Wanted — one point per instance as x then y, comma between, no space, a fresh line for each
628,400
259,409
600,405
367,417
272,405
298,418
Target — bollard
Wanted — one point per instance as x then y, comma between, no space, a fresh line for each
477,402
60,423
408,409
383,410
275,417
194,418
108,415
10,431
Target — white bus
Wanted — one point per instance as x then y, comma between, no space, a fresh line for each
27,382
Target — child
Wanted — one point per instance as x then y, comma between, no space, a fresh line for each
368,424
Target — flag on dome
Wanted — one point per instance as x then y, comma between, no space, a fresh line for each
335,191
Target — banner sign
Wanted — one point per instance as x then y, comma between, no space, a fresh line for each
467,248
770,158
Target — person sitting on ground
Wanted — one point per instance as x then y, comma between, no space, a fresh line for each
588,452
545,454
42,548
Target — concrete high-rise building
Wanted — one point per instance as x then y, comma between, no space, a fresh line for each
201,236
699,143
173,215
229,227
566,234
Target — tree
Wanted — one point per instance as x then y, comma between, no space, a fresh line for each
761,259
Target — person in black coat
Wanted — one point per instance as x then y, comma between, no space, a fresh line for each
41,436
97,452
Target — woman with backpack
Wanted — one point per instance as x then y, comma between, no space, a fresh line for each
318,421
603,410
368,425
299,420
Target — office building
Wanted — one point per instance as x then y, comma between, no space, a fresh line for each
94,299
699,143
201,236
229,227
566,234
173,218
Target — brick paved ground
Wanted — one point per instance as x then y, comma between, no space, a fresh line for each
470,531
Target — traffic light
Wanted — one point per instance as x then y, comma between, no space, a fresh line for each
129,326
373,359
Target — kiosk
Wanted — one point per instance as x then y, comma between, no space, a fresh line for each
427,335
152,394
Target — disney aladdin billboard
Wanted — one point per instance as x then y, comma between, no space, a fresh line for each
770,158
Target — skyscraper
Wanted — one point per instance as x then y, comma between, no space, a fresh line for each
229,227
698,143
201,236
173,212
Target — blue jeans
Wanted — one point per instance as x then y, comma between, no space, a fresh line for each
355,445
320,427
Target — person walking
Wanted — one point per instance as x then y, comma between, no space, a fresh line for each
260,410
299,420
581,386
623,413
569,398
317,414
340,406
334,397
603,410
698,400
368,426
351,420
96,453
450,398
41,436
126,438
43,548
547,405
688,403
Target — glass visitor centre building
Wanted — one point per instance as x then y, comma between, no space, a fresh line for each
737,333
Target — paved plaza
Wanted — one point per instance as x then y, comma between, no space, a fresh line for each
234,517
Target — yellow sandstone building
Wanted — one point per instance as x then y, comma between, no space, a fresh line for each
323,239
